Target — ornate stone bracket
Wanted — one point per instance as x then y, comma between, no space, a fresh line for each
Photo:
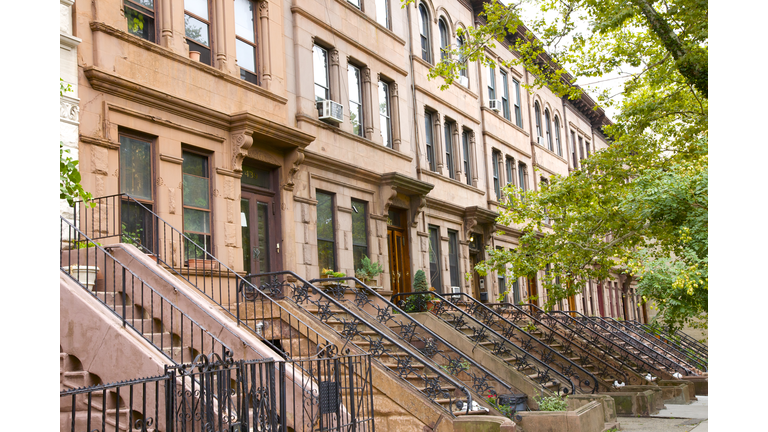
242,140
394,183
295,158
69,110
476,216
418,202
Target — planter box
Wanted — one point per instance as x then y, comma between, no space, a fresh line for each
587,418
202,264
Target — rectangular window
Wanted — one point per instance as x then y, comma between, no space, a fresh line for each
355,3
196,191
510,170
385,114
586,144
359,231
544,183
140,16
320,63
522,172
516,297
465,144
326,232
518,107
435,276
496,181
491,77
355,100
197,28
448,128
502,277
453,257
505,95
245,42
136,180
429,140
581,149
382,12
573,146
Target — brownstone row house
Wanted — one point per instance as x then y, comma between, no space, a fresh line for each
304,135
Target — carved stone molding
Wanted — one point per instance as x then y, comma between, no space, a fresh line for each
263,9
242,140
295,159
69,110
477,216
393,183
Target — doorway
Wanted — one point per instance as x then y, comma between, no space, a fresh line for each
259,221
399,257
478,288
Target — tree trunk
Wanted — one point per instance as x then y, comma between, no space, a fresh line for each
692,62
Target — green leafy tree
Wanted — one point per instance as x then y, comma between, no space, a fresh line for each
69,185
638,208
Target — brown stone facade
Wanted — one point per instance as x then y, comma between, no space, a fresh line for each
420,164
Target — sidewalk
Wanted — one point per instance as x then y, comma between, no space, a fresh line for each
677,418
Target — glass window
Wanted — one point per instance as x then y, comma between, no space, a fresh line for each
444,39
510,165
245,42
320,64
140,17
359,231
581,149
355,3
355,100
448,128
256,177
491,79
384,114
463,73
505,95
453,257
586,144
197,28
502,277
426,46
382,12
496,181
465,144
518,109
557,137
136,168
197,207
429,140
537,115
326,233
548,129
573,147
435,276
522,173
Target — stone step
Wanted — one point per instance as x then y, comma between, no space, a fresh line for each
78,379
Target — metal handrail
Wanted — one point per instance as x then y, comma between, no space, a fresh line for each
171,254
655,356
621,375
432,341
594,340
127,275
660,345
301,294
679,339
503,340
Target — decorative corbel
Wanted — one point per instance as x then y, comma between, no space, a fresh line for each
418,202
295,158
388,194
469,225
242,140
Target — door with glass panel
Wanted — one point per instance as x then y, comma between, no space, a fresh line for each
258,221
399,260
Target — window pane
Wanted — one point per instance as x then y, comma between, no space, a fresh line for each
355,102
429,141
245,222
359,230
356,3
262,210
197,252
382,12
325,216
194,164
320,64
256,177
244,20
325,254
136,168
448,150
196,191
384,113
453,257
197,221
435,278
197,7
246,55
140,24
196,29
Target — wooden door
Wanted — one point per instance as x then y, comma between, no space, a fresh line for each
475,281
600,300
399,272
533,291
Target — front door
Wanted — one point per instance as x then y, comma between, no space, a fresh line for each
260,237
475,280
533,292
399,259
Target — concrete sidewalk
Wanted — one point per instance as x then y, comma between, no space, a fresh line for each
677,418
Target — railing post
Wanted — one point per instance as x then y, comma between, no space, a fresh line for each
272,399
351,393
124,297
283,418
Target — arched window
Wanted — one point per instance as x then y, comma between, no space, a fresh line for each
445,43
463,76
557,137
537,115
548,128
426,48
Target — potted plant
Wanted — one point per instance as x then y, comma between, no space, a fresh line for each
419,302
86,275
369,271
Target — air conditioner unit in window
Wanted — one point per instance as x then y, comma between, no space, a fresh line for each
331,111
455,289
540,140
464,81
494,104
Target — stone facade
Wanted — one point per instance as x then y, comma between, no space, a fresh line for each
146,87
69,103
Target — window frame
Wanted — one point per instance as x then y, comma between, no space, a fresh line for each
429,140
505,95
360,111
143,10
244,72
557,136
537,119
491,74
425,34
387,21
509,164
466,145
522,175
445,37
548,129
184,206
438,271
385,119
364,204
518,106
495,154
333,229
464,71
448,128
208,22
327,72
575,155
358,5
453,258
149,234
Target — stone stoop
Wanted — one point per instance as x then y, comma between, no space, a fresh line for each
658,395
587,418
699,387
634,404
609,408
475,423
676,392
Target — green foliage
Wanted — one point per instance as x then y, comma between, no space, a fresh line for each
638,208
132,237
530,327
332,274
552,403
505,410
69,176
369,270
420,281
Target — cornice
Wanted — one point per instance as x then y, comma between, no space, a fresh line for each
157,49
68,41
172,159
405,184
446,207
100,142
306,14
226,172
444,102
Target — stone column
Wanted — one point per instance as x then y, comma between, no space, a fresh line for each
473,158
367,103
334,76
264,45
394,115
437,136
457,162
221,45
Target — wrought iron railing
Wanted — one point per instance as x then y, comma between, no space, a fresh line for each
140,307
436,384
658,345
678,339
570,344
658,359
462,314
595,340
197,265
377,309
219,394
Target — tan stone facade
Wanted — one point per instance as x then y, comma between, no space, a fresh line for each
427,197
